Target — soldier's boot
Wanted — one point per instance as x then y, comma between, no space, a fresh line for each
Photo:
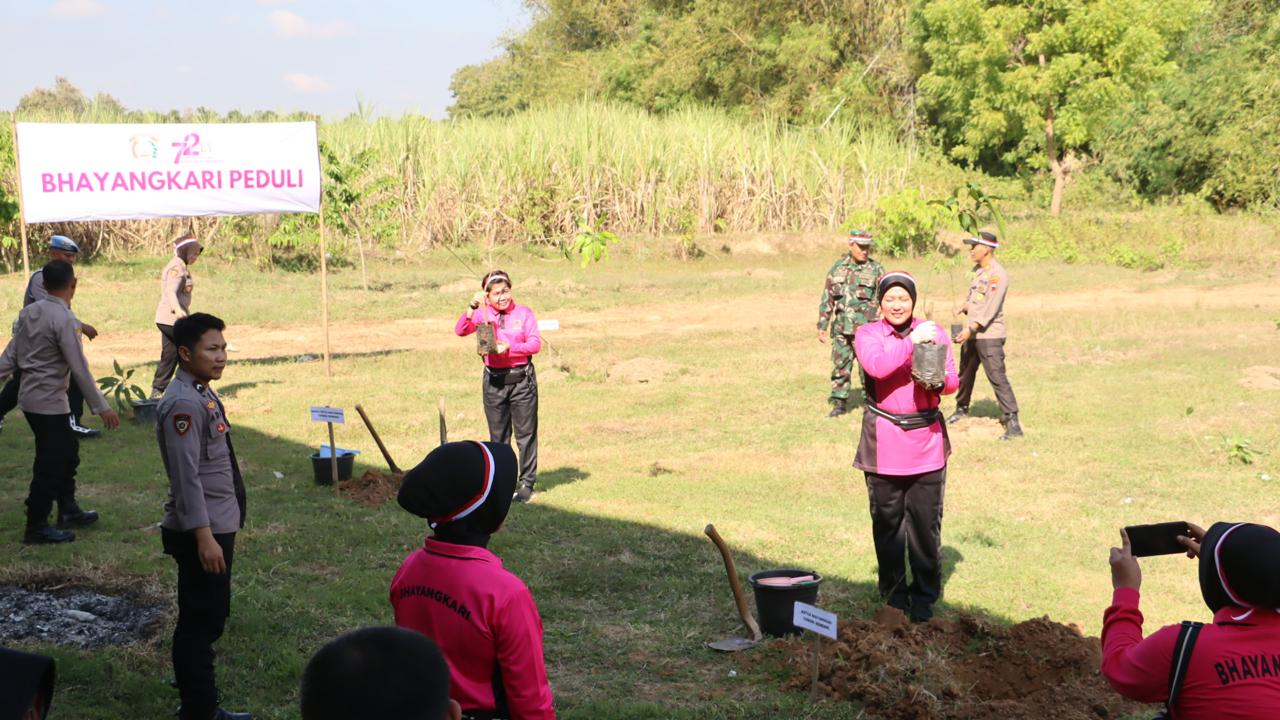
839,406
70,515
962,412
42,534
1012,429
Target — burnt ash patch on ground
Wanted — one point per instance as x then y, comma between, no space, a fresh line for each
76,616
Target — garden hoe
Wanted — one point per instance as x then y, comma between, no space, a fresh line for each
734,644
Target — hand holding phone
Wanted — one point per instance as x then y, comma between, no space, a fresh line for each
1158,539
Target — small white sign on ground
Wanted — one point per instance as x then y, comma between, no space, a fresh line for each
322,413
808,617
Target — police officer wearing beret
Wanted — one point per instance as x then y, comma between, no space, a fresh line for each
62,248
205,509
982,339
848,302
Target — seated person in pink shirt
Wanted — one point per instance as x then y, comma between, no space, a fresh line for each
1233,670
456,592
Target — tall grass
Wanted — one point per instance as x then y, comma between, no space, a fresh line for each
541,175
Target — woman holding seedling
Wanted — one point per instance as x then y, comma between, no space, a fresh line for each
508,341
903,448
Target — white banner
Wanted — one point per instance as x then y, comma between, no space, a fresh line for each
124,172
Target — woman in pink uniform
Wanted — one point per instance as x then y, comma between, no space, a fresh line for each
456,592
510,386
903,448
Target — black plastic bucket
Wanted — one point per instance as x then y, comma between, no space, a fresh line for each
776,605
144,412
323,467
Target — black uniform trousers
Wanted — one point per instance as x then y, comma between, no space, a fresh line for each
168,360
53,474
513,404
989,354
204,604
906,520
9,397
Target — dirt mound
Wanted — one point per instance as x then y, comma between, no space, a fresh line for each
641,370
962,669
372,488
1261,377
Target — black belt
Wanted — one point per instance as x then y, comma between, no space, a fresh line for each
506,376
910,421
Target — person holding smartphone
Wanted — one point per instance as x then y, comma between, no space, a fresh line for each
1233,668
903,448
510,385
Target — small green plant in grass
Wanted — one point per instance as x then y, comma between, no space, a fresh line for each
118,388
1240,450
969,205
591,244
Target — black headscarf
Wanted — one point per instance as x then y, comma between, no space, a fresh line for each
23,676
901,279
463,489
1240,566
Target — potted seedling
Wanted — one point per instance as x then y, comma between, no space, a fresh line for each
122,392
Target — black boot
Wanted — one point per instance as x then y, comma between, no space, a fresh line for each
71,515
838,407
524,494
962,412
1012,429
42,534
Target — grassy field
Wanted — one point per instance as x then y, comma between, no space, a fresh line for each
1131,392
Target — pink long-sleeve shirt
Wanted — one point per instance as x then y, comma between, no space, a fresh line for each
1235,664
484,620
517,327
885,448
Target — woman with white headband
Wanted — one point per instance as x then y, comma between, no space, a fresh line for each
175,303
510,385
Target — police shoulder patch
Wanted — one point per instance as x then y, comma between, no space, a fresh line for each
174,272
181,423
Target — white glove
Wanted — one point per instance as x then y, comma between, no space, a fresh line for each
926,331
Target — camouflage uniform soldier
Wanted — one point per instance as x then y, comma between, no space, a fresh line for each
848,301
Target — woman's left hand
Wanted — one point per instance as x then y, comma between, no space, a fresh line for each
1124,566
502,348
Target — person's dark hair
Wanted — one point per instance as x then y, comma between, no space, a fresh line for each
187,331
376,672
495,276
58,275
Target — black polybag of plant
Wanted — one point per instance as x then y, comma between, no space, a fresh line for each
929,364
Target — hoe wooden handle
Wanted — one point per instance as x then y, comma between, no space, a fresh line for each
738,597
386,455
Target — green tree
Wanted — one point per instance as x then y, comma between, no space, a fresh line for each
1030,84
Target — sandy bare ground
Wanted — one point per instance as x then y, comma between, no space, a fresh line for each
635,321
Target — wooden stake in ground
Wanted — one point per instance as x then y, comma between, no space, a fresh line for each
817,656
22,218
385,455
333,458
444,431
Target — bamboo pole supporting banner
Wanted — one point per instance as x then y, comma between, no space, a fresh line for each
324,291
22,220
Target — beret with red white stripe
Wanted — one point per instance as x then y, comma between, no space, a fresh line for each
468,484
1240,566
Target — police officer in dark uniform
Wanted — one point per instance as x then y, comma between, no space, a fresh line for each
65,249
205,509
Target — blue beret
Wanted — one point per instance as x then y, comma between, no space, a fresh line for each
62,242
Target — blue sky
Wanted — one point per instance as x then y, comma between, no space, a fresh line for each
314,55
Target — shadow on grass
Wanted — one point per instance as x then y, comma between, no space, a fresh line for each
986,409
627,608
230,391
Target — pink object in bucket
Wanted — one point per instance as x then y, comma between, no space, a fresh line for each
784,581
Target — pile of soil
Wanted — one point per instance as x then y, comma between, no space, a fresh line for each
372,488
962,669
976,428
74,616
1261,377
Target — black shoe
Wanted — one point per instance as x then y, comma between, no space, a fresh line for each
83,431
79,518
1012,428
960,414
838,408
523,495
918,616
45,535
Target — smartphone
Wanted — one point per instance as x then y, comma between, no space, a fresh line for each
1158,539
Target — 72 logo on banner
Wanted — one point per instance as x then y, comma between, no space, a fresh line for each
189,147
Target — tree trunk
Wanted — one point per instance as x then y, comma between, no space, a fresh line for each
1055,161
